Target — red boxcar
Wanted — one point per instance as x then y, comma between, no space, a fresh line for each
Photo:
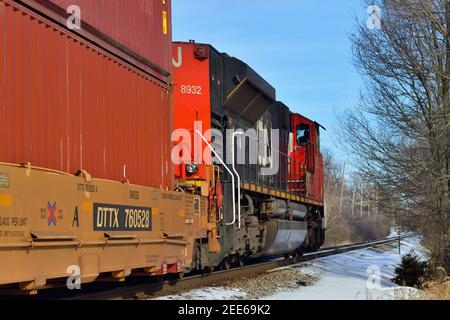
139,31
67,105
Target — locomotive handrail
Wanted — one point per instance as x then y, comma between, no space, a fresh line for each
237,175
233,193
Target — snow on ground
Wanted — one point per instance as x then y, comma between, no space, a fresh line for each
359,275
354,275
209,293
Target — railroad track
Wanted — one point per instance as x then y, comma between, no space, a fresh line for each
152,290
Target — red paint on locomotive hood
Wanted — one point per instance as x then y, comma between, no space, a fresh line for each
192,100
68,105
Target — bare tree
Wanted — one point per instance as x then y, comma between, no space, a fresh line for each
340,192
400,132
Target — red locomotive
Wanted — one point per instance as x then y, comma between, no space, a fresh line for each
273,194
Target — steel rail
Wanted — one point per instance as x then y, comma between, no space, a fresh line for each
153,290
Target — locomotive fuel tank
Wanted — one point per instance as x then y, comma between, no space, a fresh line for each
283,236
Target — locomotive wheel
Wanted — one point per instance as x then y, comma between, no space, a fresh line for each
287,256
298,253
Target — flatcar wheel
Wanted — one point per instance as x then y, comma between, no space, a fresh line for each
208,270
241,261
226,265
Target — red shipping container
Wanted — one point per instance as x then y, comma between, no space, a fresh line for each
139,31
67,105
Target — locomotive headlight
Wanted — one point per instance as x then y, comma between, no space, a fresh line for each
191,169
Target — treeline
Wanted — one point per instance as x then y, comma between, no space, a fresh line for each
399,134
353,213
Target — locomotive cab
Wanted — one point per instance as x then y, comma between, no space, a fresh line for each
307,166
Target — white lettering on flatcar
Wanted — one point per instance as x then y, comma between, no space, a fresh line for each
107,217
137,218
121,218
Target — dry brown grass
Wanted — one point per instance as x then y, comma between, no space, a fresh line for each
337,232
437,289
354,229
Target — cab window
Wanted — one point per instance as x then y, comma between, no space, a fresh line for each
318,137
303,134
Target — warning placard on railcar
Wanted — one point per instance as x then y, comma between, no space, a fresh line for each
109,217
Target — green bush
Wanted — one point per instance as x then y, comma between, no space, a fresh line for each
412,272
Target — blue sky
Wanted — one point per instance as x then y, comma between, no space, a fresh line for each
301,47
